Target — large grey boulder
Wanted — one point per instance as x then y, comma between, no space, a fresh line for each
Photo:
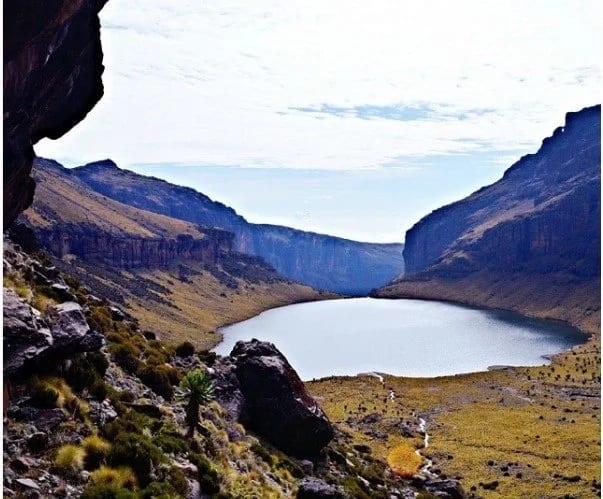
314,488
30,337
26,334
259,387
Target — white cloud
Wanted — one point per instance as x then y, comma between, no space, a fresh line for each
215,82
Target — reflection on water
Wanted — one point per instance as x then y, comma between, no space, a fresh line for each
401,337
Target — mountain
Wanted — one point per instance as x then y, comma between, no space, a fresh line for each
321,261
530,242
180,280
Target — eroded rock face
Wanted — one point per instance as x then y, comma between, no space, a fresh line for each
260,388
315,488
52,78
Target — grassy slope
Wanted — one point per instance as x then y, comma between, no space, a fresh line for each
193,308
557,296
62,198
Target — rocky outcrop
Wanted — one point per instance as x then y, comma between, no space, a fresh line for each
91,244
530,242
52,78
315,488
260,389
321,261
30,336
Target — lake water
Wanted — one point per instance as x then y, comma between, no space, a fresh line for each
401,337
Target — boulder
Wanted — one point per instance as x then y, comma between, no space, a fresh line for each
26,334
276,403
314,488
445,489
30,337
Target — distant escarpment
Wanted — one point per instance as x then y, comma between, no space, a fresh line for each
529,242
321,261
71,220
52,78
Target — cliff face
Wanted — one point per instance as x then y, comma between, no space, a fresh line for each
127,253
321,261
52,78
71,219
530,242
543,215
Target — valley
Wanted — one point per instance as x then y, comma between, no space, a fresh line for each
115,284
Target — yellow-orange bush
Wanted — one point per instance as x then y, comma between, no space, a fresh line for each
404,461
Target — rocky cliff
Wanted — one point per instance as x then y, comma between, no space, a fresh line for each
539,224
52,78
321,261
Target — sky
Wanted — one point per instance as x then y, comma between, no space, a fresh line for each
347,117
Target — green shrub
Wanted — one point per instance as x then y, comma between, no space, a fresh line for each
159,490
208,477
129,422
99,390
262,453
100,319
126,357
207,357
97,450
138,452
43,395
291,467
99,361
81,374
157,380
107,491
185,349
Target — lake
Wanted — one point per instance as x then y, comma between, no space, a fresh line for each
401,337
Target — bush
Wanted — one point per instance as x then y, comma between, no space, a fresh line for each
107,491
262,453
138,452
208,477
99,390
157,380
159,490
69,459
81,374
100,319
207,357
126,357
185,349
43,395
120,477
97,450
99,361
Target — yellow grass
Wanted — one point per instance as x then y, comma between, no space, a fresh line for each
403,460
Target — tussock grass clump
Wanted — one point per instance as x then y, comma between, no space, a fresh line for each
404,461
97,449
69,459
120,477
107,491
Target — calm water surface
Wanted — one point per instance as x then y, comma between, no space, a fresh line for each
401,337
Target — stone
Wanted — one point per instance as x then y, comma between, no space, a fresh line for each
26,334
28,483
446,489
45,420
102,412
23,463
276,403
307,466
63,292
315,488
